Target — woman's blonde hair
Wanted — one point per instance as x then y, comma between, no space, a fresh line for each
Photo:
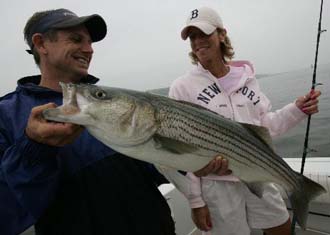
226,50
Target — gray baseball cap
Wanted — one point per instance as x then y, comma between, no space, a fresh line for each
64,19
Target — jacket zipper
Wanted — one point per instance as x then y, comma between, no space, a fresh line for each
232,108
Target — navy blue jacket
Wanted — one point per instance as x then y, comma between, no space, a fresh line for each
32,174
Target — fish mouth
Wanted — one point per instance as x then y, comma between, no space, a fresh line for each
70,105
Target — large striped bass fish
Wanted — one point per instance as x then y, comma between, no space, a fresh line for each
183,136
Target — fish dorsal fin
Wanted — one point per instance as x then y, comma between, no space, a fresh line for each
198,107
172,145
260,132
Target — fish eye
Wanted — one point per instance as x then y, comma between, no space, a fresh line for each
100,94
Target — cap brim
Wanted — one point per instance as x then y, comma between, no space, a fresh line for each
203,26
95,25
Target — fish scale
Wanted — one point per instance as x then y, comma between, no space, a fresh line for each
200,125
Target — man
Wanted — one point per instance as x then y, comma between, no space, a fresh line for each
56,175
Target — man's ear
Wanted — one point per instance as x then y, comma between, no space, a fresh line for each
38,43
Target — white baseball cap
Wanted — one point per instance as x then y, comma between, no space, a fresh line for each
204,18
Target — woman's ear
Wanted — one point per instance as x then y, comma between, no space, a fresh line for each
222,34
38,43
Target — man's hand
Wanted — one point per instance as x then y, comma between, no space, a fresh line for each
50,133
309,102
218,166
202,218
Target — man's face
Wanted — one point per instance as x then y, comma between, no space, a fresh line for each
71,53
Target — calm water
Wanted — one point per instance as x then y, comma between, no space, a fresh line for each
284,88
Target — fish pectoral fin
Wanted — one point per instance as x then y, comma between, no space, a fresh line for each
172,145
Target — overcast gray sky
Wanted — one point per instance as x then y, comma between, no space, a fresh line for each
143,49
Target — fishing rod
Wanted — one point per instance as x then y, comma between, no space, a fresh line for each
314,84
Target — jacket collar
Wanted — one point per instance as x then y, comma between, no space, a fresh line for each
31,83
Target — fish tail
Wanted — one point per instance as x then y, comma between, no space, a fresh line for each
302,196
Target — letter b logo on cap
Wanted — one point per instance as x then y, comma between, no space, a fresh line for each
194,14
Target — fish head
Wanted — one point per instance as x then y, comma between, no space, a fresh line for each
112,115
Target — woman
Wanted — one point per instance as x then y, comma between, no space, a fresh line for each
223,204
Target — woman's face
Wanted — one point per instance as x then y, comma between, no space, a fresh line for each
205,47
